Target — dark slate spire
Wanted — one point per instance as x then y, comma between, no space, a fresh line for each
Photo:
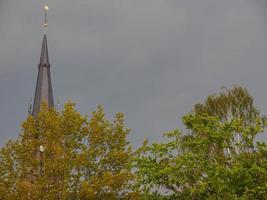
43,91
44,59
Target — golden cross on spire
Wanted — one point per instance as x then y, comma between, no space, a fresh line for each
46,10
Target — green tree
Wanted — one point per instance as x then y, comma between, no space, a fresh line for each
208,162
64,156
231,103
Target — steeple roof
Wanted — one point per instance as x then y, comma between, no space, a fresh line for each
43,91
44,59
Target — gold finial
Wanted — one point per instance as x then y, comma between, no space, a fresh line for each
46,10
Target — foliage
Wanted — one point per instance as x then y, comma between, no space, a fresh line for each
66,156
234,102
217,159
81,158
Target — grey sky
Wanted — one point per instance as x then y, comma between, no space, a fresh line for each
150,59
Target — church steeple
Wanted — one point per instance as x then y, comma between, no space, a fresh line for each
43,91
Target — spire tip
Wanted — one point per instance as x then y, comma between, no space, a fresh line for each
46,8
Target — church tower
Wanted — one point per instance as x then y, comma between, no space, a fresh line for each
43,91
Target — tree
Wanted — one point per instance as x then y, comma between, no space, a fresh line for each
231,103
205,163
64,156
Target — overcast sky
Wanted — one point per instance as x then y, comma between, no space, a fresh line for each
150,59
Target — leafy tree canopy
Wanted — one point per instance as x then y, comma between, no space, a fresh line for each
64,155
216,159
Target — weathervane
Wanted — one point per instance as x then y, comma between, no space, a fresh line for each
46,10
